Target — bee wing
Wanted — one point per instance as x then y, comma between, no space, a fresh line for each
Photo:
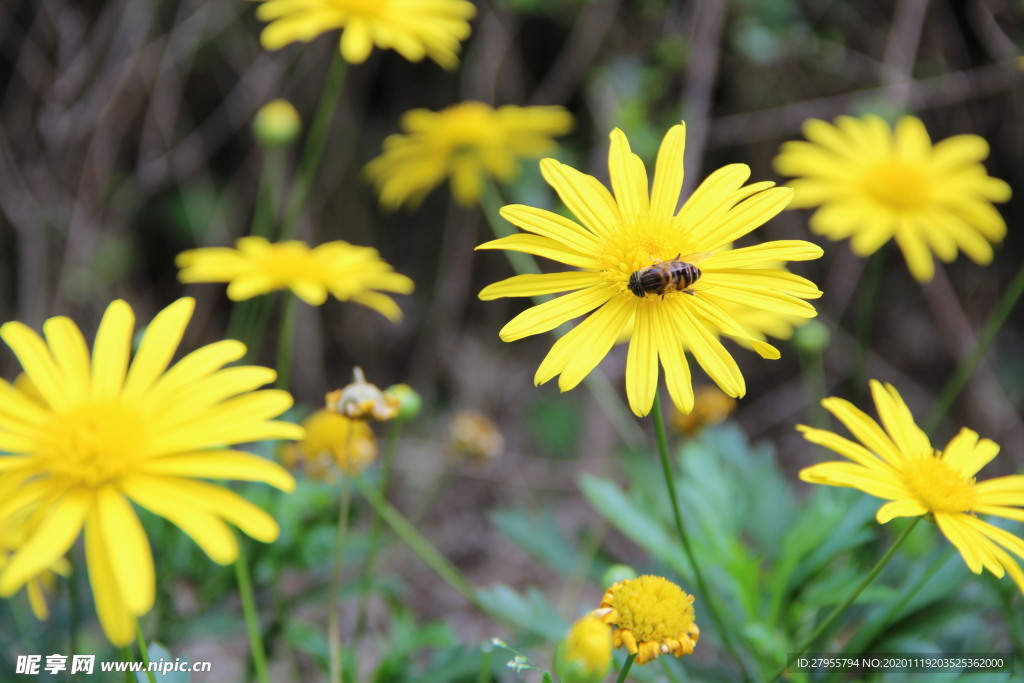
697,257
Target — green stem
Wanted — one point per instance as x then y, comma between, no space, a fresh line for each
484,674
596,382
375,524
684,539
313,150
853,595
334,600
248,323
626,666
419,544
812,366
144,651
128,656
267,211
988,333
285,342
73,613
252,622
868,292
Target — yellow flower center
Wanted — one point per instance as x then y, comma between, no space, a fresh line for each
897,184
641,242
469,126
93,444
653,609
937,486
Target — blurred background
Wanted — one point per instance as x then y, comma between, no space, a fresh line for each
126,139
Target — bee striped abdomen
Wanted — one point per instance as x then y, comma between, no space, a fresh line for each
664,277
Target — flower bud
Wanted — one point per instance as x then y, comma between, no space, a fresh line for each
276,123
409,402
586,653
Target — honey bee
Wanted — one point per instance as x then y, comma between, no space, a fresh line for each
664,277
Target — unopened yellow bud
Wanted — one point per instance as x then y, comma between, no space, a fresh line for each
586,653
276,123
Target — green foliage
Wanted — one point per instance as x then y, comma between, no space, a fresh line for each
773,560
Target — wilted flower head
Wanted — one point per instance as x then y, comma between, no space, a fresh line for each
332,440
473,436
413,28
466,142
361,400
872,183
895,461
652,616
257,266
710,406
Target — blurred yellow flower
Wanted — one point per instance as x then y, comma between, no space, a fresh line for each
413,28
652,616
14,534
624,236
873,183
586,653
105,433
361,400
897,463
464,142
710,407
258,266
332,439
473,436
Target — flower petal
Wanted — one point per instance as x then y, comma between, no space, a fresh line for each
668,172
117,622
111,350
157,347
539,284
544,247
551,225
584,195
642,360
628,176
123,538
550,314
224,464
759,254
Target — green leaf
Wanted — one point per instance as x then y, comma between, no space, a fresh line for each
539,535
532,612
159,656
643,528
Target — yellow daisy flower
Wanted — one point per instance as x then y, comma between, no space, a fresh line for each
652,616
897,463
619,238
874,183
464,142
413,28
257,267
331,438
105,433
